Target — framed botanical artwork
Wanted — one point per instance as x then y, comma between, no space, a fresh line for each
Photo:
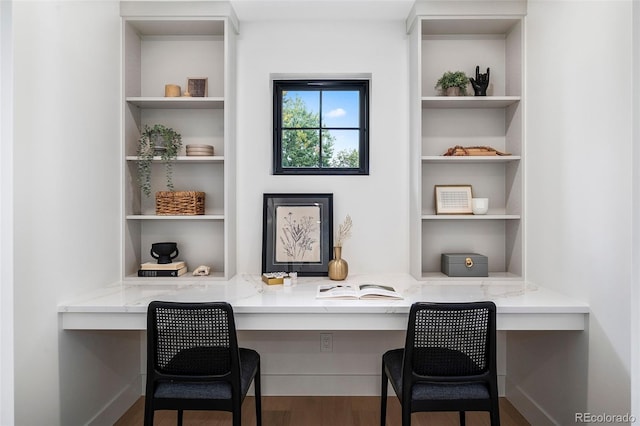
453,199
198,87
297,233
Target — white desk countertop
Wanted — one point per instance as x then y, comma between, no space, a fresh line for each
257,306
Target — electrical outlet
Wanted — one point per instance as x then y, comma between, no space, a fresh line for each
326,342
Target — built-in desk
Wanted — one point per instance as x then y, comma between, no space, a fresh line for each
257,306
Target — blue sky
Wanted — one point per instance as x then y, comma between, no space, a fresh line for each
339,109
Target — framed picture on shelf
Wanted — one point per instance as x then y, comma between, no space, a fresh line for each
198,87
453,199
297,233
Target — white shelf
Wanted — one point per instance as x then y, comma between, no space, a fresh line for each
459,37
471,217
185,159
169,43
470,159
469,101
176,103
181,217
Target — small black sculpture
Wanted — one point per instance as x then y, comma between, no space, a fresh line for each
480,83
164,252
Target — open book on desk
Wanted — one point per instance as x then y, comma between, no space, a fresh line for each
357,291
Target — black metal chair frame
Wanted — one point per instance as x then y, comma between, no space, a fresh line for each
193,347
441,354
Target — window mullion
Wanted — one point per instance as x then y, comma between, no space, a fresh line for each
320,150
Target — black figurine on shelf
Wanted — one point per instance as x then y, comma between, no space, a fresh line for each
480,83
164,252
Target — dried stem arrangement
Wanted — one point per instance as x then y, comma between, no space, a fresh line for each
344,231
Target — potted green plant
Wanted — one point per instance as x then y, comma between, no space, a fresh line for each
453,83
157,140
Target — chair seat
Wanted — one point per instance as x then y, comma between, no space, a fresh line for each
449,392
193,390
249,360
431,391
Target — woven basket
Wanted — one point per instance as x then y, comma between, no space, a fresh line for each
179,203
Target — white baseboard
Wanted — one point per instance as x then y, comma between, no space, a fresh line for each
119,404
528,407
320,385
330,385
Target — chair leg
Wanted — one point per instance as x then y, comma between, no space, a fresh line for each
495,407
383,397
406,412
180,414
462,418
148,412
495,415
258,396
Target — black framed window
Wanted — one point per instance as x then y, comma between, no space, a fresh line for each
321,127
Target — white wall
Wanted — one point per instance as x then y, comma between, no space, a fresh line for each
579,144
6,214
579,170
635,281
377,203
67,206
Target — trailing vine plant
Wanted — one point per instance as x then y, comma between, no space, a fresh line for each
150,139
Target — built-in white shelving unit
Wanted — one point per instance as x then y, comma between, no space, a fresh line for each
167,43
452,36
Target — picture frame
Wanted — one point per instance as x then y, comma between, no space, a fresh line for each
297,233
453,199
198,87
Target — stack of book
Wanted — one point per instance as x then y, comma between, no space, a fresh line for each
152,269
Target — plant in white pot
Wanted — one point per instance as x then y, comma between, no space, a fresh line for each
157,140
453,83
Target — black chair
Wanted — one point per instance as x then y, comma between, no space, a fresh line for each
448,362
194,363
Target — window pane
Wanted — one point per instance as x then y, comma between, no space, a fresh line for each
340,108
321,127
300,148
300,108
342,148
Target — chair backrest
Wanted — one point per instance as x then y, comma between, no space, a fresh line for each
192,339
450,341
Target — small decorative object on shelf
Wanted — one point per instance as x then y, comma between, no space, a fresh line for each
453,83
201,271
164,252
461,151
453,199
480,205
161,273
338,267
171,91
198,87
199,150
480,83
173,266
179,203
157,140
464,265
173,269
